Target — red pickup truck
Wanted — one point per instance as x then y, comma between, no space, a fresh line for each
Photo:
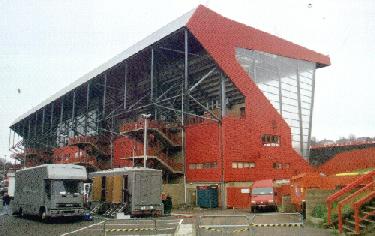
263,195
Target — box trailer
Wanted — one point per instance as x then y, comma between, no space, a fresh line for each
131,190
50,190
11,184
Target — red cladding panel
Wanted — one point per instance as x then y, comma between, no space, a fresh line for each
124,147
349,161
238,199
202,146
242,136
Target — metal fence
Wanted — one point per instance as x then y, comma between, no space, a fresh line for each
141,226
258,224
223,225
287,224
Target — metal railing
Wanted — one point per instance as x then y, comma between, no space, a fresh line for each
363,180
250,225
222,224
141,226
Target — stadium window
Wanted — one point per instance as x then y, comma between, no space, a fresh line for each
271,140
241,164
277,166
242,111
206,165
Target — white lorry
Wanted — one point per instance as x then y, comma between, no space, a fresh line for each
50,190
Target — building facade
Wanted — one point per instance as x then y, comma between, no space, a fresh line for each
229,104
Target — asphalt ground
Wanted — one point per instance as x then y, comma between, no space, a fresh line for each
233,223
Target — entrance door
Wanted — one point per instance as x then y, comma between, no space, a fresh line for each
102,197
192,197
125,189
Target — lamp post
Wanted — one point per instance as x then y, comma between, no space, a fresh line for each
145,117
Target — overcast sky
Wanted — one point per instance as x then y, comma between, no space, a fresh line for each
46,45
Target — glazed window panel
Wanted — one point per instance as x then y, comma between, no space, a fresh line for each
242,165
279,79
206,165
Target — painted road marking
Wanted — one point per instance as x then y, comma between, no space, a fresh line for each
83,228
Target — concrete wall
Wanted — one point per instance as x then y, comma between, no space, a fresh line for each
176,191
315,197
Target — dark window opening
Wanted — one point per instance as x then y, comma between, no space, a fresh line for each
271,140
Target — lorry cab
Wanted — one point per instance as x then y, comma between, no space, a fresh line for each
50,190
263,195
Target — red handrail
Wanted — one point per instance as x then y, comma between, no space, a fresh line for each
360,181
348,198
356,207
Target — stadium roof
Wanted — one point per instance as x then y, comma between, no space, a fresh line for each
217,34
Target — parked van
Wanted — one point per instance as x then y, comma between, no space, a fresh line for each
263,195
50,190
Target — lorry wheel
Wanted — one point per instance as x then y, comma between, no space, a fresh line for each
253,209
20,213
42,215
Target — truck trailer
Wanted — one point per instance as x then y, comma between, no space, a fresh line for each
134,191
11,184
50,190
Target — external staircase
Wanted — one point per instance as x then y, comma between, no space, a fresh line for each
96,147
360,197
164,143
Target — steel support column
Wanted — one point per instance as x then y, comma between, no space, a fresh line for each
184,91
125,85
74,113
52,110
87,105
10,136
221,138
152,85
300,111
311,114
35,126
29,132
152,75
222,96
61,119
43,118
280,92
104,95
